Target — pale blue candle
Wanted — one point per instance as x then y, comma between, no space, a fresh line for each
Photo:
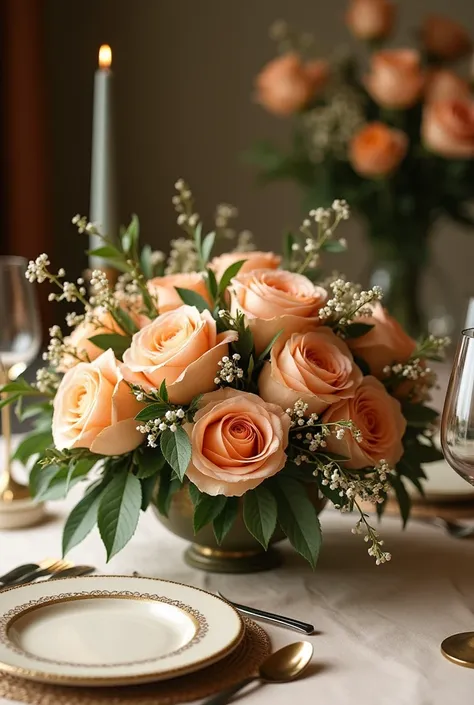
103,199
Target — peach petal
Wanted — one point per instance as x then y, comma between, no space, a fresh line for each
121,437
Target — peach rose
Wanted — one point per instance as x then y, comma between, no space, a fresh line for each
95,409
181,347
377,150
274,300
378,417
370,19
238,440
253,260
286,85
164,288
316,367
395,79
443,84
385,344
444,38
448,128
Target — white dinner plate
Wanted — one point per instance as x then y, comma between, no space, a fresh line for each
112,630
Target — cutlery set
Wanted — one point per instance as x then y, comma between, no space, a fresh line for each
50,569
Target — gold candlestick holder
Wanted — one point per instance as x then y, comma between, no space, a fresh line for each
17,508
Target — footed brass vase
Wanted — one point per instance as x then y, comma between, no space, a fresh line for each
238,553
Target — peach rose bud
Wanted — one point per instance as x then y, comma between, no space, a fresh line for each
286,85
448,128
444,38
316,367
385,344
377,150
238,441
164,289
443,84
276,300
182,348
378,416
395,79
95,409
253,260
370,19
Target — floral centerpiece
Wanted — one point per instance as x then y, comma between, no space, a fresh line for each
393,134
247,381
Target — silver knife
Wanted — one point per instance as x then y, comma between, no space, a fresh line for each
278,619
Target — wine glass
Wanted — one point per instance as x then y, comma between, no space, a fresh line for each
20,339
457,441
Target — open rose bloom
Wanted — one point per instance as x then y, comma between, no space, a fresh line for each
247,382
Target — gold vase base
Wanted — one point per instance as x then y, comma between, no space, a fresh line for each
20,514
459,649
217,561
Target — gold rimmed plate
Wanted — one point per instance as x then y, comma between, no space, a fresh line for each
113,630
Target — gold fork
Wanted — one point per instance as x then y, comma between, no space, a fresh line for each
31,571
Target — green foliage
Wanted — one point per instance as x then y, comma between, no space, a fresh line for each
118,343
192,298
297,517
419,416
33,444
82,519
270,345
356,330
176,448
206,248
403,497
206,510
229,274
149,462
152,411
168,486
260,514
119,510
224,521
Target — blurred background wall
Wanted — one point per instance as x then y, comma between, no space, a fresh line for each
183,80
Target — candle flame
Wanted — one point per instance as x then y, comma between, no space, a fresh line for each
105,56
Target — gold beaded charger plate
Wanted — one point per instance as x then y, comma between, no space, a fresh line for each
113,630
240,664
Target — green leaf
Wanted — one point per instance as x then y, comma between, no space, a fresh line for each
194,493
55,482
207,245
168,487
229,274
79,468
198,236
32,445
145,262
270,345
333,246
211,283
118,343
82,519
418,415
148,486
362,364
119,511
357,330
403,497
191,298
297,517
163,391
131,235
152,411
224,521
107,251
124,321
424,453
260,514
206,510
176,448
33,410
40,478
9,400
19,385
149,461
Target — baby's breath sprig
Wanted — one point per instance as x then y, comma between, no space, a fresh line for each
306,256
348,302
169,421
59,350
375,549
47,381
225,212
229,372
37,271
288,39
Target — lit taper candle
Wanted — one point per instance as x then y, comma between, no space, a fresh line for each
103,201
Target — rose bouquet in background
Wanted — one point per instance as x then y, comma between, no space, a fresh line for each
393,134
247,380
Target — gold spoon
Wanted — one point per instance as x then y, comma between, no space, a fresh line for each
283,666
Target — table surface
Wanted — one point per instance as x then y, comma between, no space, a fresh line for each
379,628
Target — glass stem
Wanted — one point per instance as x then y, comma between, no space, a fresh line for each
5,476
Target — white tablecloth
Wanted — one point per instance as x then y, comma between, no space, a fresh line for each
380,628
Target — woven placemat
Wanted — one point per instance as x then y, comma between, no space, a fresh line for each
240,664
